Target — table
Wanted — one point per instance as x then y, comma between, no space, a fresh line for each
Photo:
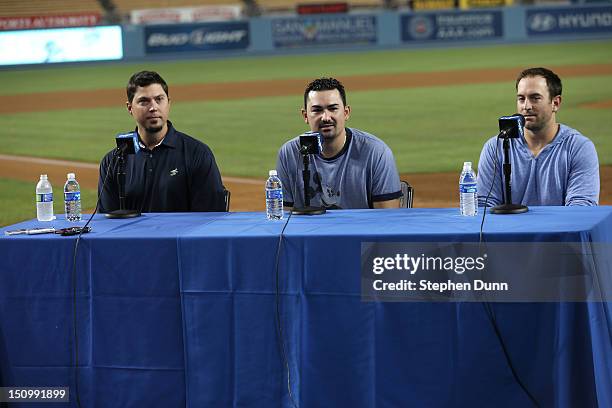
180,310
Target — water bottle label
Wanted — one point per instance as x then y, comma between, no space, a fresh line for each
74,196
44,198
467,188
274,194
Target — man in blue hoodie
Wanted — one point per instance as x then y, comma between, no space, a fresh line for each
552,164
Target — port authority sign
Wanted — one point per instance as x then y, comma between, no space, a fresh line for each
555,21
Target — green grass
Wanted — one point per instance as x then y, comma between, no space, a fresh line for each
113,75
17,201
429,129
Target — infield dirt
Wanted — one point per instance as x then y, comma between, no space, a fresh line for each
436,190
431,190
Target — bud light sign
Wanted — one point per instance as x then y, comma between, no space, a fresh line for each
196,37
452,26
584,20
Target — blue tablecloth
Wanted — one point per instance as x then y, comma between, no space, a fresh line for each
179,310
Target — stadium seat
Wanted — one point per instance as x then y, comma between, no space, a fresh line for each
228,195
20,8
290,5
125,6
407,195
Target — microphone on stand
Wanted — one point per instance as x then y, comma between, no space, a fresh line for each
510,127
127,143
310,143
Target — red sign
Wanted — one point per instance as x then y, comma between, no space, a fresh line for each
327,8
50,21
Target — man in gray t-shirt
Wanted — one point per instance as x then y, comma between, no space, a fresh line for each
354,170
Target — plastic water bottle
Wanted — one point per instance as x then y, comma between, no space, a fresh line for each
72,198
274,197
468,193
44,199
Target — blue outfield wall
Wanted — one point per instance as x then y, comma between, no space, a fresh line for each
381,29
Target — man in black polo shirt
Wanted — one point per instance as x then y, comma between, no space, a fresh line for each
172,171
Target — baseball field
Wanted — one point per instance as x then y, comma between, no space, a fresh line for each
434,107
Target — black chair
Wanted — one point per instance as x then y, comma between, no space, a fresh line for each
227,196
407,195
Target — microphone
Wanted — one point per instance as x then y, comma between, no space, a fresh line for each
511,126
310,143
127,143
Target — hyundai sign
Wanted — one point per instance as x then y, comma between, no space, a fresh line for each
196,37
555,21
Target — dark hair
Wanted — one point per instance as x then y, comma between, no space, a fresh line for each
553,82
325,84
142,79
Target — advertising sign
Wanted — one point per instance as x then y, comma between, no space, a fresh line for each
468,4
322,8
323,31
50,21
186,14
61,45
452,26
419,5
554,21
196,37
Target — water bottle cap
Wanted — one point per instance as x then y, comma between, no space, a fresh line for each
43,176
272,173
70,176
467,164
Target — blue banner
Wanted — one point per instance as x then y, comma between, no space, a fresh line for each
196,37
324,31
452,26
584,20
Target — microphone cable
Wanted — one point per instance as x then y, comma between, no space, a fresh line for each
487,305
279,326
484,211
75,359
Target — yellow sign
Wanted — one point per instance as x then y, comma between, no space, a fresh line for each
432,4
467,4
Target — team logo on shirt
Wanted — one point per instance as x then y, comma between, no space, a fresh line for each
329,197
174,172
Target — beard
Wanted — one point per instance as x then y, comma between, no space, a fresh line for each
538,124
330,133
153,129
328,136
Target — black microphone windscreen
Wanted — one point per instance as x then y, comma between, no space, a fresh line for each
127,143
521,119
511,126
311,143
